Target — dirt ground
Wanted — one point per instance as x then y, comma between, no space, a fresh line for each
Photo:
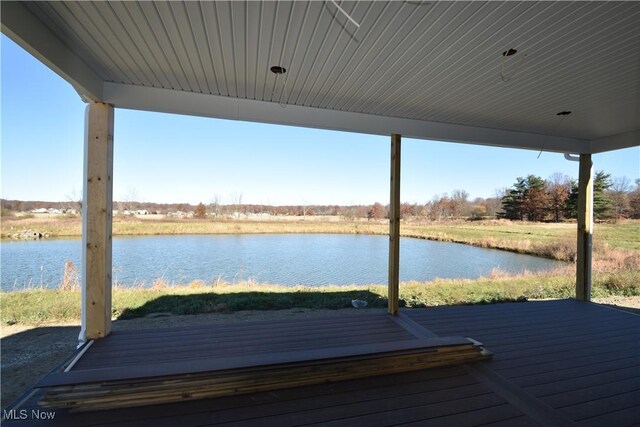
30,352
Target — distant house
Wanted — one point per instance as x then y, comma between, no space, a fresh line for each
40,211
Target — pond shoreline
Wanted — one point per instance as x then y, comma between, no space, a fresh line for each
547,240
284,259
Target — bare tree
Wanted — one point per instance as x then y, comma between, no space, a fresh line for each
237,203
634,201
215,204
376,211
458,202
619,195
494,204
129,199
74,200
558,188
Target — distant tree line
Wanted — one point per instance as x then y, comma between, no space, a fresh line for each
535,199
530,198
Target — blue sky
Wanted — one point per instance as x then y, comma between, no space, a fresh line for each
170,158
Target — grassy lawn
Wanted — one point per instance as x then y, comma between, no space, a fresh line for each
623,235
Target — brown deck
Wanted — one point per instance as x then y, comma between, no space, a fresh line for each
555,363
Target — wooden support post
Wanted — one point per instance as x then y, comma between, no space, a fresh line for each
394,227
96,221
585,228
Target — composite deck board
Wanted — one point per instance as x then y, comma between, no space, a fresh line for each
247,336
598,407
196,353
582,354
431,390
505,337
280,402
566,344
539,327
251,361
275,326
344,410
578,367
309,411
517,421
507,325
425,413
386,329
192,350
621,362
253,331
578,359
542,308
587,380
551,355
226,344
482,416
624,418
593,392
561,361
506,344
264,342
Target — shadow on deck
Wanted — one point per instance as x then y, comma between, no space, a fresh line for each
555,363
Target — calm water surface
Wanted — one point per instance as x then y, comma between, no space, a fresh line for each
290,259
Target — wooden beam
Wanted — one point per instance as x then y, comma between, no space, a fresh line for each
96,222
394,227
585,228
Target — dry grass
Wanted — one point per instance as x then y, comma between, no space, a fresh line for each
556,241
54,305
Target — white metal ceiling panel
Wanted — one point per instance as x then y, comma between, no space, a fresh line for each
433,61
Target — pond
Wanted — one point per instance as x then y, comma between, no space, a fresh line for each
285,259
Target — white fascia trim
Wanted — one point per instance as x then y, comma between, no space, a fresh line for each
21,26
615,142
197,104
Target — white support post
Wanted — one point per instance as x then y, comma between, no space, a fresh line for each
97,221
394,227
585,228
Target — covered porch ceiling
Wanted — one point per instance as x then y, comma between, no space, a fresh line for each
428,70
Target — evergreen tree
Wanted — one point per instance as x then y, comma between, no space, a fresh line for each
512,202
535,202
602,205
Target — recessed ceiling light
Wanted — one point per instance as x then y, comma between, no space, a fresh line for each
276,69
509,52
563,113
